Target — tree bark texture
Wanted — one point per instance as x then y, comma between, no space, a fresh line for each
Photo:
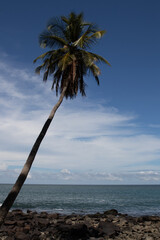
8,202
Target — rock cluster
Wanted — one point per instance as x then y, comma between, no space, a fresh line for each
108,225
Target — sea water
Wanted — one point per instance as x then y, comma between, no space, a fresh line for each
83,199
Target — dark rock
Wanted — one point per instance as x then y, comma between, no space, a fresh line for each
10,238
113,212
122,215
43,222
29,211
74,232
4,228
43,214
8,222
18,211
11,232
31,214
35,233
18,229
131,219
149,218
96,215
54,216
94,232
61,221
108,228
21,236
51,230
27,228
111,224
20,223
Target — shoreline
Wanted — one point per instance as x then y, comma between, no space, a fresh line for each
108,225
63,212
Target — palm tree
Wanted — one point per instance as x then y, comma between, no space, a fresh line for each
68,61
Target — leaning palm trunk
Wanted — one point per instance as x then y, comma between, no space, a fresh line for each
23,175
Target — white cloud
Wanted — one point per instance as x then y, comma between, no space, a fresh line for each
154,125
90,177
83,137
66,171
149,176
3,166
104,176
10,89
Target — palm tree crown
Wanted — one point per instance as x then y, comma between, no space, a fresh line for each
68,60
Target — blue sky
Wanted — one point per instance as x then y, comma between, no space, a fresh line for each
110,137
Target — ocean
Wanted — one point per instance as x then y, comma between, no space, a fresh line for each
135,200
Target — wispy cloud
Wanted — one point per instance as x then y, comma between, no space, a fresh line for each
66,176
154,125
86,139
149,176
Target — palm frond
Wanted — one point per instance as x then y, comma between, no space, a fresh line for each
43,55
98,34
64,19
100,58
88,58
56,27
97,79
57,77
39,68
83,40
64,61
69,61
95,70
49,40
45,76
89,37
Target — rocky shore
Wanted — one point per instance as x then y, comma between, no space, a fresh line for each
108,225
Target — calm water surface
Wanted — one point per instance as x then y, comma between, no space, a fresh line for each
66,199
